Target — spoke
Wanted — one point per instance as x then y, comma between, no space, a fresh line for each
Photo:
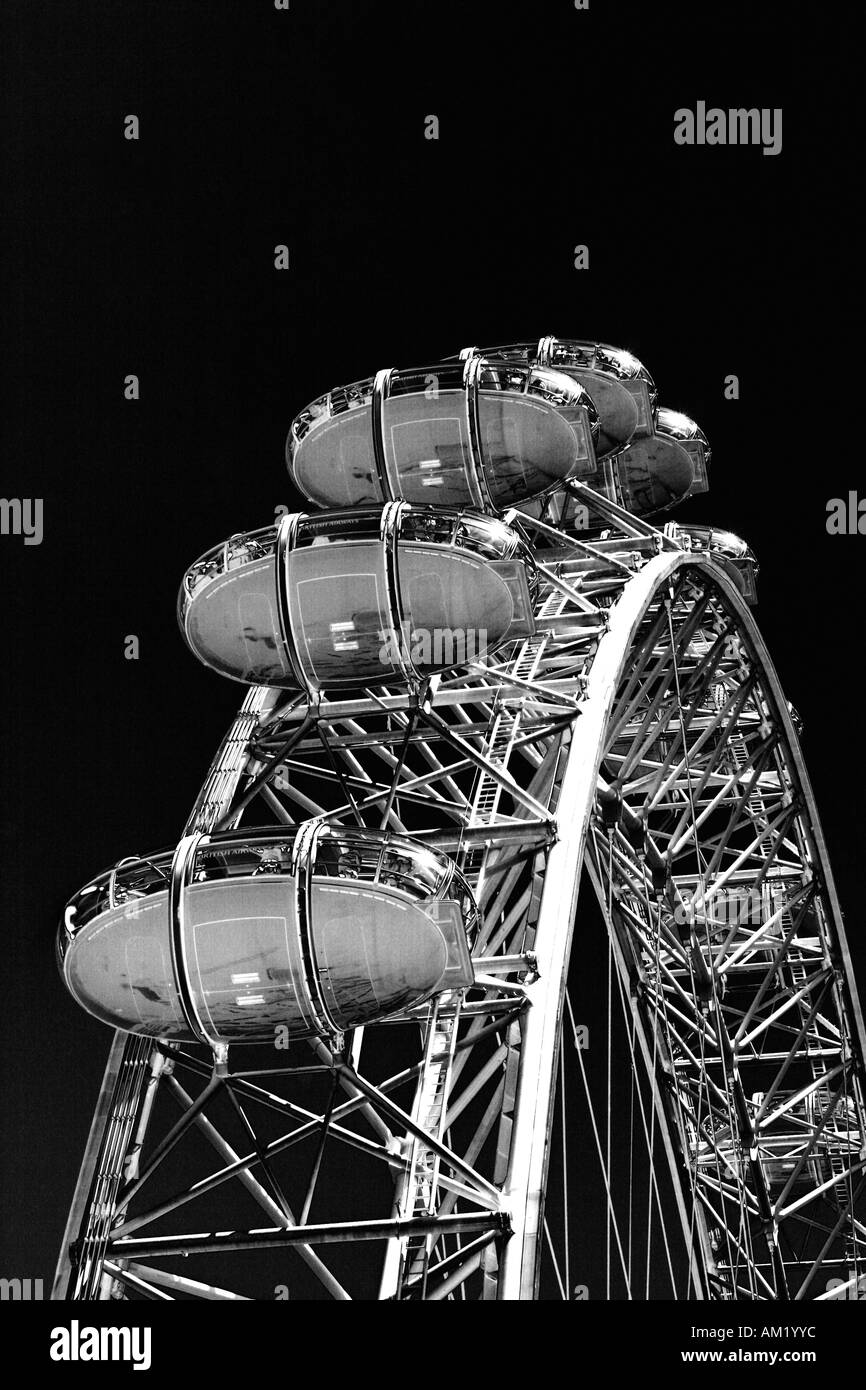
605,1174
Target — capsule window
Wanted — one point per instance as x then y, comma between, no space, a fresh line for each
427,444
375,954
149,974
506,447
337,528
427,526
234,621
448,915
427,596
123,973
639,393
340,451
654,474
260,632
457,606
240,933
696,452
486,538
513,575
619,415
340,610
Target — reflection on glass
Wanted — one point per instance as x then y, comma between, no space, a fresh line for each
362,597
385,926
535,428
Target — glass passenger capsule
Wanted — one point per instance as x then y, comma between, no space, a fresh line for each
621,388
234,935
731,552
655,473
649,476
477,434
357,598
786,1147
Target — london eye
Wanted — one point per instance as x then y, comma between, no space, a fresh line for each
511,747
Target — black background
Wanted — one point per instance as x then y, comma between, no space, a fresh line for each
155,257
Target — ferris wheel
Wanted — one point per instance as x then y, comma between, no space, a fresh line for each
350,1058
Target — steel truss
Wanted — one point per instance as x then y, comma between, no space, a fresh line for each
641,732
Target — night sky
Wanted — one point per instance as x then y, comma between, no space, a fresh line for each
156,257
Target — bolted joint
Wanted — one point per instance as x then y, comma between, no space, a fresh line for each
660,874
635,831
610,807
